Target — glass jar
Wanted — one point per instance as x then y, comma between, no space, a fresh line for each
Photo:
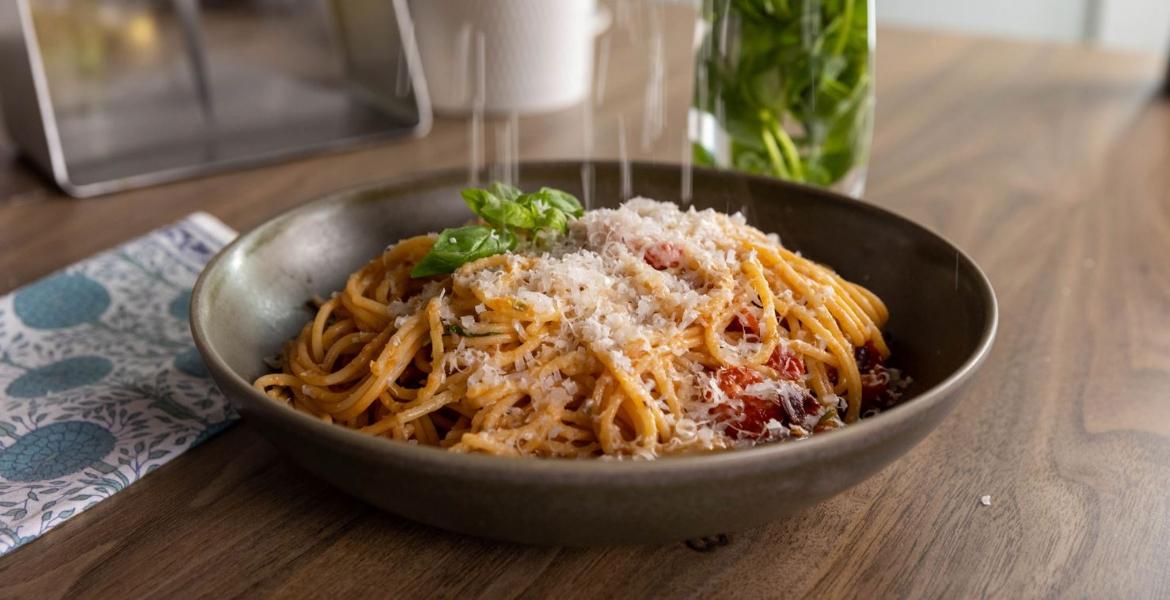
785,88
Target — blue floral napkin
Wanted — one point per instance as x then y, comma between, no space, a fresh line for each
100,383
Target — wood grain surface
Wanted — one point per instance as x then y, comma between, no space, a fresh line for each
1050,164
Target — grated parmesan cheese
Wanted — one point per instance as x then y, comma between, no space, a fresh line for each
612,300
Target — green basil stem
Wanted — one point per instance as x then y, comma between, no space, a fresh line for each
774,154
847,25
800,63
791,154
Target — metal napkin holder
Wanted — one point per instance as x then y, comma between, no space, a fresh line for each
106,95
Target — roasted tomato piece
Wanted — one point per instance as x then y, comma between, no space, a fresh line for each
789,365
809,406
874,385
867,357
875,378
750,421
663,255
732,380
744,322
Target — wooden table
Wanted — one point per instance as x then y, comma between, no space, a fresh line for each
1050,164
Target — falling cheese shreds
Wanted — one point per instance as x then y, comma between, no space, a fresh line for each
601,282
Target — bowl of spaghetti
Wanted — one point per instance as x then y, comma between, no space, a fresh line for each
502,362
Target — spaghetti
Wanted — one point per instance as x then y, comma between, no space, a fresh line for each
645,331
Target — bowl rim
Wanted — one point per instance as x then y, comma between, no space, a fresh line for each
624,472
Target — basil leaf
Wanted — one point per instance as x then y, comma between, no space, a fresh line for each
562,201
476,199
480,201
497,210
539,216
510,214
554,220
552,209
504,191
456,247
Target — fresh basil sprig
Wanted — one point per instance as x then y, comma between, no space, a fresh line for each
498,209
462,245
512,217
794,94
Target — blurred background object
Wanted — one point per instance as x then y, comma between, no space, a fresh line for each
110,94
1121,24
525,56
786,89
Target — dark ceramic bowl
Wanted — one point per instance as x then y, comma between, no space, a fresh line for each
251,298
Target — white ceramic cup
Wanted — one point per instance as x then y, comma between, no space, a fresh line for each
523,56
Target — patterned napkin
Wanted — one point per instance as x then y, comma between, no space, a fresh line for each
100,383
